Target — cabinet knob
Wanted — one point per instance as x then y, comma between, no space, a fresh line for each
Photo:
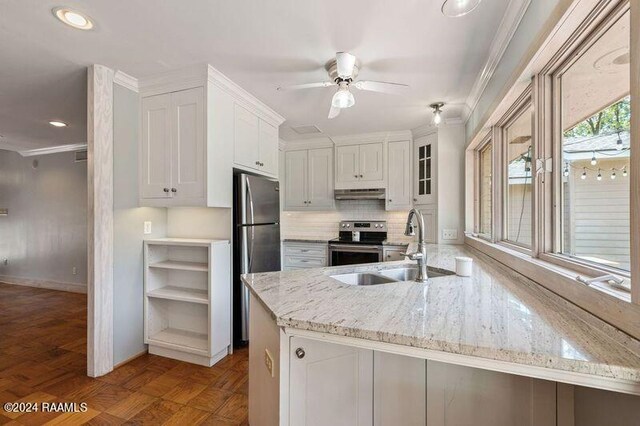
415,199
355,176
308,202
360,175
300,353
174,190
390,200
261,164
257,163
166,189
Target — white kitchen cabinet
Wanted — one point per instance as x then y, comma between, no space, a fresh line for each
360,166
430,216
255,143
304,255
425,170
246,140
458,395
309,180
399,186
329,384
399,396
194,125
173,147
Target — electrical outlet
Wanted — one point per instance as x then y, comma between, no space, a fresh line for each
268,361
74,270
147,227
449,234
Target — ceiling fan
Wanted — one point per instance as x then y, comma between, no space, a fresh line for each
343,70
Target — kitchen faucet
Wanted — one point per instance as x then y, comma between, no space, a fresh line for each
421,254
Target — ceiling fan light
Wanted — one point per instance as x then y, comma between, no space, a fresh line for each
343,98
457,8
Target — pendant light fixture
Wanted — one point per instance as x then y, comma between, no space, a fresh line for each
584,173
599,177
619,143
437,112
457,8
593,159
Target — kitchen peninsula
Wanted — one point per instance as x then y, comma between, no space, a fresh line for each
495,334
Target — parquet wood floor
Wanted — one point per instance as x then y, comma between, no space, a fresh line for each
43,359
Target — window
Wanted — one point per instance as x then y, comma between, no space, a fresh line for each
517,137
595,148
485,197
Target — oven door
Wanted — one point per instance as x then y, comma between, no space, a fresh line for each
352,254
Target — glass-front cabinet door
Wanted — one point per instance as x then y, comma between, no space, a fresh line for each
424,170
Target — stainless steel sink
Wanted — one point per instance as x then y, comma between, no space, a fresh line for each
362,279
388,276
410,274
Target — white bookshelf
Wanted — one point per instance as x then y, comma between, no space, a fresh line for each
187,285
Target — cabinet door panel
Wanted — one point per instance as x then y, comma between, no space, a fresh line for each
425,183
347,164
330,385
320,178
155,172
246,139
295,186
371,162
459,395
268,148
188,144
400,393
399,189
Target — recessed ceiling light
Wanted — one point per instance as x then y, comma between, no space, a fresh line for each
456,8
55,123
72,18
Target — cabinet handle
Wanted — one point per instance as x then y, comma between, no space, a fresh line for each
257,163
261,164
166,189
300,353
174,190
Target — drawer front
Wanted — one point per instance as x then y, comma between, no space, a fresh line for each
310,250
394,254
304,262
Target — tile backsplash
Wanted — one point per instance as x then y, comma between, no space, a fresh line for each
324,225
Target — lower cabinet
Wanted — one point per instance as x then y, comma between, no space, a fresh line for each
301,255
332,384
329,384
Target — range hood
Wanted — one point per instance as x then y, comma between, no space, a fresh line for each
360,194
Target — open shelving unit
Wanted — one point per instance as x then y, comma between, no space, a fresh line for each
187,285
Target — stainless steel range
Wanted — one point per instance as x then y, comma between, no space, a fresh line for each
358,242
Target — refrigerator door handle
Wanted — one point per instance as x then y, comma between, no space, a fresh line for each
249,201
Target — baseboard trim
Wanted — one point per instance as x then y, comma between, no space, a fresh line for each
131,358
49,285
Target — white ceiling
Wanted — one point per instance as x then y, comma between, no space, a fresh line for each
260,44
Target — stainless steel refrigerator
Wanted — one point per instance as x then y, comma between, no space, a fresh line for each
256,240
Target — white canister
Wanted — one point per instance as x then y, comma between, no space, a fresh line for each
464,265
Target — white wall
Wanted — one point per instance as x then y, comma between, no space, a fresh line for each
128,222
45,234
450,168
535,17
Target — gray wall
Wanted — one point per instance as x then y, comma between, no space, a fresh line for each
45,234
532,23
128,229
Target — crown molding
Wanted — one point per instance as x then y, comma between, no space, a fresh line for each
506,30
199,75
53,149
424,130
125,80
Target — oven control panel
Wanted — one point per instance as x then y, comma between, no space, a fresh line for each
365,226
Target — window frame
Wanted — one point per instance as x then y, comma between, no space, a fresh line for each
486,142
549,105
524,102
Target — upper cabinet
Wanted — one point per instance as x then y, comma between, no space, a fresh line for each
399,186
256,143
308,180
196,126
360,166
425,182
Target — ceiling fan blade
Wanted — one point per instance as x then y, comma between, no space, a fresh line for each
307,85
379,86
345,63
333,112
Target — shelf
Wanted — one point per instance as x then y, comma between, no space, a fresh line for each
180,265
180,293
172,337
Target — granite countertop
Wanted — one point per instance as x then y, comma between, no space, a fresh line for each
495,314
